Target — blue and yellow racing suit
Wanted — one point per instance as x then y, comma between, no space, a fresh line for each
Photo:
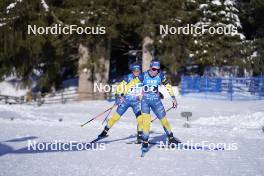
151,100
131,99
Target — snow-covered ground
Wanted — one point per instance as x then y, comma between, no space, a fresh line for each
215,121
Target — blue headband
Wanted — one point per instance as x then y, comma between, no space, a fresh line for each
155,64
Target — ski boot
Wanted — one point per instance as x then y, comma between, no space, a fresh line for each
104,133
139,137
173,142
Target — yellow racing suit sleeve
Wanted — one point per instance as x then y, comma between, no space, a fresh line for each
168,86
120,89
131,84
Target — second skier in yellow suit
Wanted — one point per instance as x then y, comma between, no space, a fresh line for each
125,99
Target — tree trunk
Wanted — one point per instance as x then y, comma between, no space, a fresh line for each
102,67
85,87
146,55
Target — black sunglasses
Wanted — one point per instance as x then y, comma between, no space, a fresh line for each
155,69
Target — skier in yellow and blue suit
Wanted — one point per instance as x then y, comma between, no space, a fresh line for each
151,79
125,99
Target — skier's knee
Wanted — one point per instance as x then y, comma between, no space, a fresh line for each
146,120
113,120
140,122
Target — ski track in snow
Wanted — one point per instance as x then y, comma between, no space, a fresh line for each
216,121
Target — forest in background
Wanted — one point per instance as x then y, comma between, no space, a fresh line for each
131,25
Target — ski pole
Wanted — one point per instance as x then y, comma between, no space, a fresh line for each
98,115
165,111
108,114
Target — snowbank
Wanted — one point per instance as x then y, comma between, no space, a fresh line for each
254,120
12,87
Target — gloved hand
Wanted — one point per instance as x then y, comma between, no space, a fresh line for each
174,103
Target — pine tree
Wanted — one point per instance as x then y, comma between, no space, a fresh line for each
24,54
52,53
214,49
252,18
173,49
